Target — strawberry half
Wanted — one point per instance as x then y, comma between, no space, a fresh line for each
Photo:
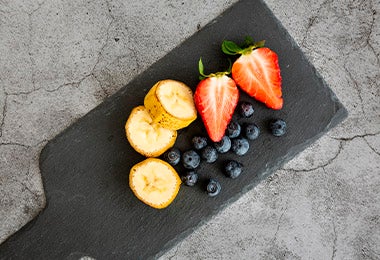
215,98
257,72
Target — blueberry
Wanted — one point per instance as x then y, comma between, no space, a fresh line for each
190,178
190,159
172,156
223,145
233,129
213,188
251,131
278,127
210,154
246,109
240,146
233,169
199,142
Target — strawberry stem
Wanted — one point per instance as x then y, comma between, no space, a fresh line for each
201,69
217,74
231,48
248,41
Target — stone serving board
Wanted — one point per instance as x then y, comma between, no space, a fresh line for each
90,209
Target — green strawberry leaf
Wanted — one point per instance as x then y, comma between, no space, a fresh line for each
201,69
248,41
217,74
231,48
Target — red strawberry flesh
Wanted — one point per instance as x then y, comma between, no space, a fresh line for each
258,74
215,99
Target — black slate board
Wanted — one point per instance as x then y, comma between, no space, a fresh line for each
90,208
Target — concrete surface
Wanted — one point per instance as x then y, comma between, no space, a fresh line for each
59,59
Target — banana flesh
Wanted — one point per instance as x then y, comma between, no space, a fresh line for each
154,182
171,104
147,137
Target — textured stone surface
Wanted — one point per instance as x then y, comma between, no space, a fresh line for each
59,60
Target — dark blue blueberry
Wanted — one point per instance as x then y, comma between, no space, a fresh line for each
233,129
233,169
190,178
240,146
251,131
190,159
223,145
210,154
199,142
213,188
172,156
246,109
278,127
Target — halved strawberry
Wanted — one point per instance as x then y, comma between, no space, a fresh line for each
215,98
257,72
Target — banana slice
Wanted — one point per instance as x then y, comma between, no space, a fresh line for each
147,137
154,182
171,104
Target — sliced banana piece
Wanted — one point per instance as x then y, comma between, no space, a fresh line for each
154,182
147,137
171,104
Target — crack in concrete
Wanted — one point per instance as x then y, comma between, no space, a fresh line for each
356,87
44,141
368,32
92,71
100,85
348,139
335,234
77,83
25,187
354,137
312,20
30,54
371,147
23,184
109,9
15,144
342,141
279,221
107,35
74,83
36,145
368,40
3,114
174,254
329,161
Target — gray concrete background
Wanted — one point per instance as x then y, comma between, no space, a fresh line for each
60,59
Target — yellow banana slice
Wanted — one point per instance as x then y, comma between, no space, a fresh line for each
147,137
154,182
171,104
